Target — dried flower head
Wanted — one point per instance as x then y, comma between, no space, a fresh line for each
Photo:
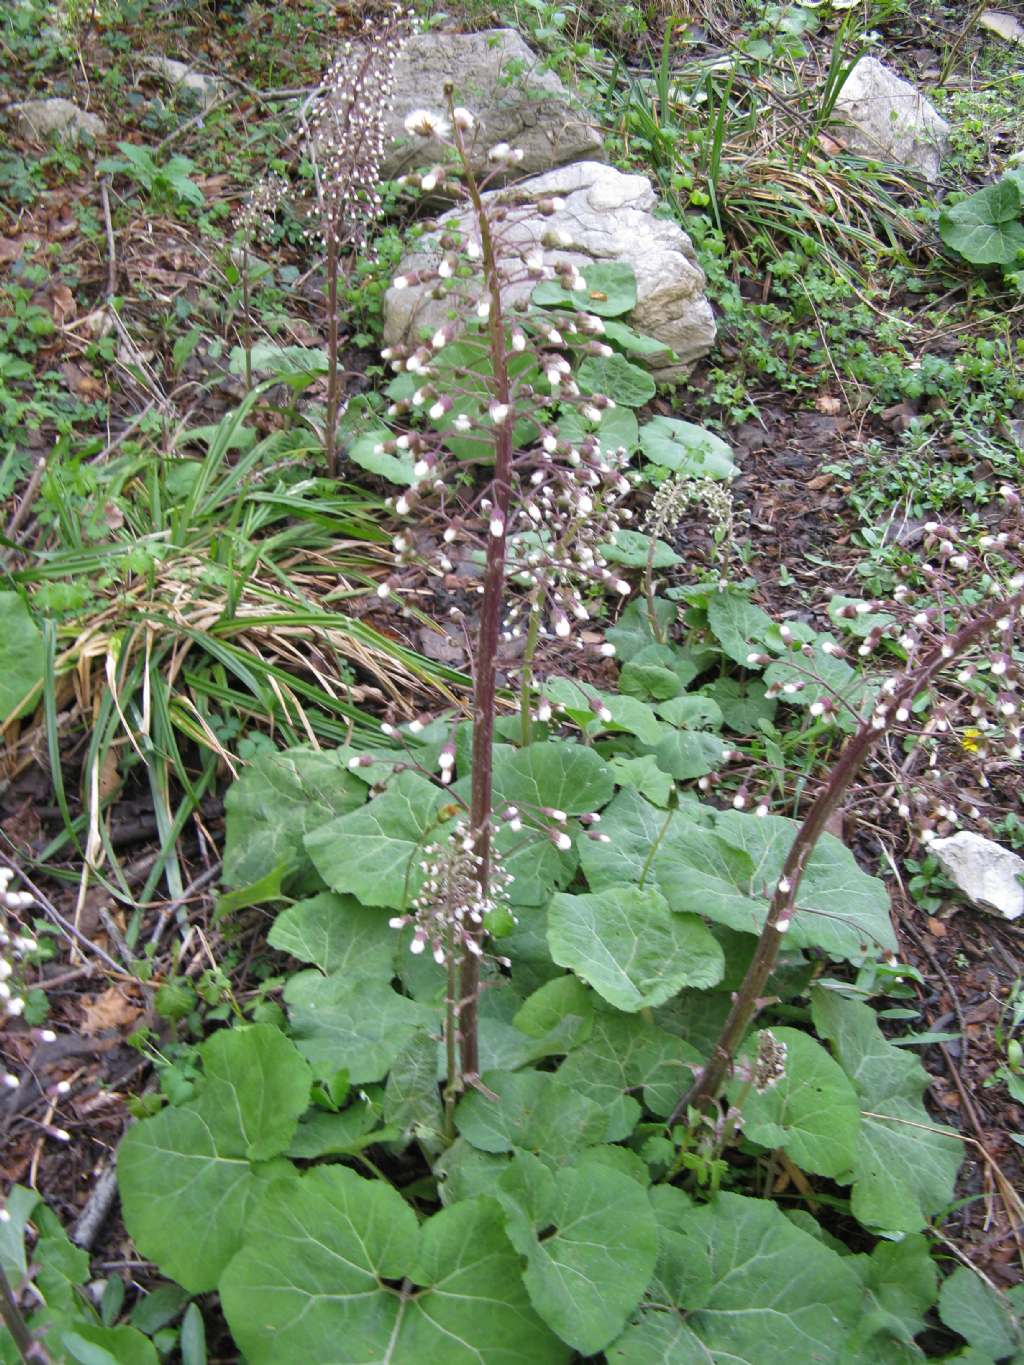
347,137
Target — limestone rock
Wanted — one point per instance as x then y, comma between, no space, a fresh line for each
885,119
985,872
207,89
534,111
607,216
41,118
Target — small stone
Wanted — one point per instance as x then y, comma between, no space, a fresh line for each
41,118
605,215
534,112
885,118
207,89
984,871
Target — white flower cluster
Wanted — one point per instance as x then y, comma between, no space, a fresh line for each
14,945
449,912
570,505
257,215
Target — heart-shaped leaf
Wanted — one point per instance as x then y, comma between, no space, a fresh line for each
336,1267
626,942
590,1242
197,1166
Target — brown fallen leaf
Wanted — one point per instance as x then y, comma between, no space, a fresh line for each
830,406
110,1009
10,250
62,303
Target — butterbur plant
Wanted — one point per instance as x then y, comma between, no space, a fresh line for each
539,1055
347,145
957,638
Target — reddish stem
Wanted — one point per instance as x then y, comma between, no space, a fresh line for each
488,632
745,1002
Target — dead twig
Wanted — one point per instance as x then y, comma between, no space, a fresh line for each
108,224
65,925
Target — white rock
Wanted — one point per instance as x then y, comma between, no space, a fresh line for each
534,111
607,216
207,89
40,118
985,872
884,118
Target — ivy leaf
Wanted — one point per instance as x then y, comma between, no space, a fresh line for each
590,1242
905,1166
736,1282
321,1260
337,934
686,449
193,1166
981,1315
738,625
22,673
358,1023
564,777
535,1112
812,1113
374,852
614,377
627,1053
626,942
275,801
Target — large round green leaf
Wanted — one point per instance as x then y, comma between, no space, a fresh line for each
615,378
22,673
189,1176
535,1112
737,1282
565,777
590,1242
375,852
336,1271
812,1112
272,805
629,945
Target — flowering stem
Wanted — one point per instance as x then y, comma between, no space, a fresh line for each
451,1028
29,1348
780,913
331,417
652,612
488,632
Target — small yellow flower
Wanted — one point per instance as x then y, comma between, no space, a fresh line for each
969,740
